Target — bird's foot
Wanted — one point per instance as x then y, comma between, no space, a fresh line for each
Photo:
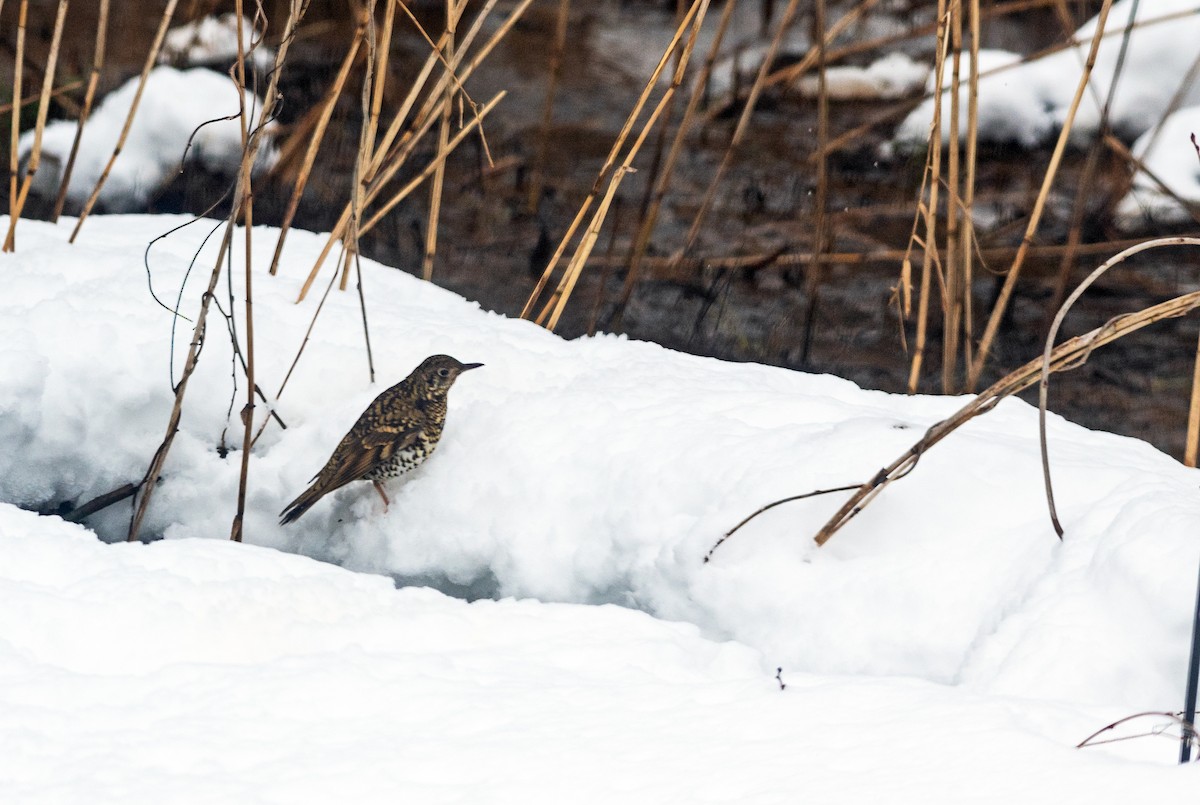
382,494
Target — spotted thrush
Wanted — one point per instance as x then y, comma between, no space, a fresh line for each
397,432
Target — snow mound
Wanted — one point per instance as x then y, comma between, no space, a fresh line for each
601,471
1026,104
892,76
203,671
175,105
1167,151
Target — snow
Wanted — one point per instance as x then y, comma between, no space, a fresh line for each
1168,152
175,105
1026,104
941,642
213,40
891,76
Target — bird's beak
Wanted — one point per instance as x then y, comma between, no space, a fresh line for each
467,366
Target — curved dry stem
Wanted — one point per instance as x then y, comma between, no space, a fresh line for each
1065,356
1044,383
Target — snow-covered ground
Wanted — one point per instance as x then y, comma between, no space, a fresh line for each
183,116
1028,103
944,647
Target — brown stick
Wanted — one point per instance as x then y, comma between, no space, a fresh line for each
932,180
100,502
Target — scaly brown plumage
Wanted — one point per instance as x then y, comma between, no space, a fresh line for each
397,432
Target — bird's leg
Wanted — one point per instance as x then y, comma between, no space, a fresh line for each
382,494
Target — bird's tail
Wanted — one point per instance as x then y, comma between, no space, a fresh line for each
300,505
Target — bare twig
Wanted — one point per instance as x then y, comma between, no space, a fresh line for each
768,507
1176,717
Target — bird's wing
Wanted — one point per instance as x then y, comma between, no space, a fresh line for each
359,454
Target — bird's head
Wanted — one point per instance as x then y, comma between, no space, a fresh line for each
438,372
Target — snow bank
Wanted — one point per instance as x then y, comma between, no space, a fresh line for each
601,470
1168,152
174,106
202,671
892,76
1027,104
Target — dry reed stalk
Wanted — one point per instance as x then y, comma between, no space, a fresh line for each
1014,271
968,200
151,58
557,303
15,120
35,154
378,174
556,63
314,143
933,167
453,12
1044,381
952,302
89,98
1067,355
812,279
417,180
650,219
575,267
610,160
1192,445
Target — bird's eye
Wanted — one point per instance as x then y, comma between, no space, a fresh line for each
443,372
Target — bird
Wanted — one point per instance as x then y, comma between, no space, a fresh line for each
396,433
